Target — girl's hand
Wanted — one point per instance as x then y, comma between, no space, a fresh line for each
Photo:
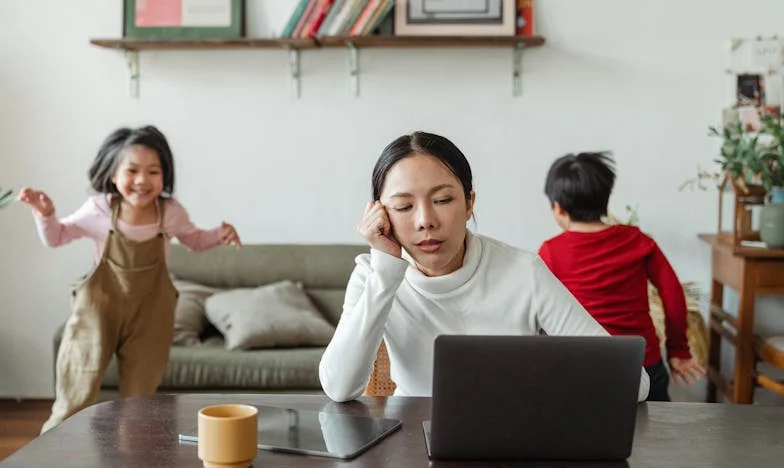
229,235
40,202
377,230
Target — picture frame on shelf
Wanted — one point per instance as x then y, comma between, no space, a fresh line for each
455,17
750,90
176,19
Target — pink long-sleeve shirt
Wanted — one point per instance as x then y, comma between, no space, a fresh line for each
94,220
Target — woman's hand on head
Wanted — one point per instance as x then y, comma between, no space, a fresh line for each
376,229
40,202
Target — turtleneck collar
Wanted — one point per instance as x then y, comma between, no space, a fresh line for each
430,285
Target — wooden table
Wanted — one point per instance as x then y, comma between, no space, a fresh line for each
749,271
142,432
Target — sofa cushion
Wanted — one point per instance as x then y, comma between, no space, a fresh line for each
210,366
189,315
275,315
329,302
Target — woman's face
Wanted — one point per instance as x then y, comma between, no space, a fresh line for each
428,212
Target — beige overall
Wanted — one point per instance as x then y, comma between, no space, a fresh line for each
125,306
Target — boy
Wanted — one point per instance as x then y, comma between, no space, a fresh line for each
607,267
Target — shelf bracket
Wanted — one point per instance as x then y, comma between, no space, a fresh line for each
353,68
295,72
517,69
132,59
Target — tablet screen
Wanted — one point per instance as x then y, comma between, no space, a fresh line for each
319,433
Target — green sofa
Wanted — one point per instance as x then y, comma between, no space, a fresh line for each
322,269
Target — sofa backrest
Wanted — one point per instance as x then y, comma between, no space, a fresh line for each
324,270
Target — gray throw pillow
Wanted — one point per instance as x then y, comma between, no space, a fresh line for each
275,315
189,314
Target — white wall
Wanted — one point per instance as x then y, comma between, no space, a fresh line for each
643,79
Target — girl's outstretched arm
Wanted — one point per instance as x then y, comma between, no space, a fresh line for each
53,231
179,225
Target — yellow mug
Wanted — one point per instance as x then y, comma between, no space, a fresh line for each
228,435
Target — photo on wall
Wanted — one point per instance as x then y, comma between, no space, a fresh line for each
194,19
455,17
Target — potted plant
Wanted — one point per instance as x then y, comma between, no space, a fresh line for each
772,178
772,158
742,170
740,162
6,197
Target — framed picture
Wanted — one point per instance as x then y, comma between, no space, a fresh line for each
455,17
198,19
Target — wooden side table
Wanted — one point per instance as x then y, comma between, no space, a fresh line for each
749,271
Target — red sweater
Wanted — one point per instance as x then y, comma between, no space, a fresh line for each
608,273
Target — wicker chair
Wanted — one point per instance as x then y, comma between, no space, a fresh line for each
381,383
770,351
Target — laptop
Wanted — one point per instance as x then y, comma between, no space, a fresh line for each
534,397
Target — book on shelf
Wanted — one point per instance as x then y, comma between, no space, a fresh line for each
324,18
525,18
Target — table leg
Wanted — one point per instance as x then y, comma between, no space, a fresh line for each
714,339
743,388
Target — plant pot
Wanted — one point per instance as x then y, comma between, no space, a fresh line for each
772,225
777,195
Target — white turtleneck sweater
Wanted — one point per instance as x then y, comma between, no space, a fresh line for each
499,290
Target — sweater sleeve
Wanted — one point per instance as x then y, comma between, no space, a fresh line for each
544,254
347,362
558,313
673,300
55,232
179,225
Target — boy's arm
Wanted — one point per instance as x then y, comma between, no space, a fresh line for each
179,225
670,290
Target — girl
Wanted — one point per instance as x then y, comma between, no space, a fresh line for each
427,274
125,306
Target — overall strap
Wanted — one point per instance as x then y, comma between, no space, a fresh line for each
115,203
161,206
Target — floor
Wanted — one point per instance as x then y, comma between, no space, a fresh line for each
20,422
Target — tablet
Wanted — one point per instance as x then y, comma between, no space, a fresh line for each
319,433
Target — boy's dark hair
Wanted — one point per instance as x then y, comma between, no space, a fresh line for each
110,155
581,183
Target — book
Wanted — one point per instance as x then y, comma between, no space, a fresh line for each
525,18
299,10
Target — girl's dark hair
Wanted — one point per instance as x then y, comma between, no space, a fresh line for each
110,155
581,184
422,143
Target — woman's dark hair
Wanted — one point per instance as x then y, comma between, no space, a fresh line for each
423,143
581,184
110,155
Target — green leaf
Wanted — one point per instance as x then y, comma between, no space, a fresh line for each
6,197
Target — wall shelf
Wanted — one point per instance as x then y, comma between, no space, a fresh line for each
132,46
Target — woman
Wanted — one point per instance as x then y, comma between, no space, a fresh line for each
427,275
